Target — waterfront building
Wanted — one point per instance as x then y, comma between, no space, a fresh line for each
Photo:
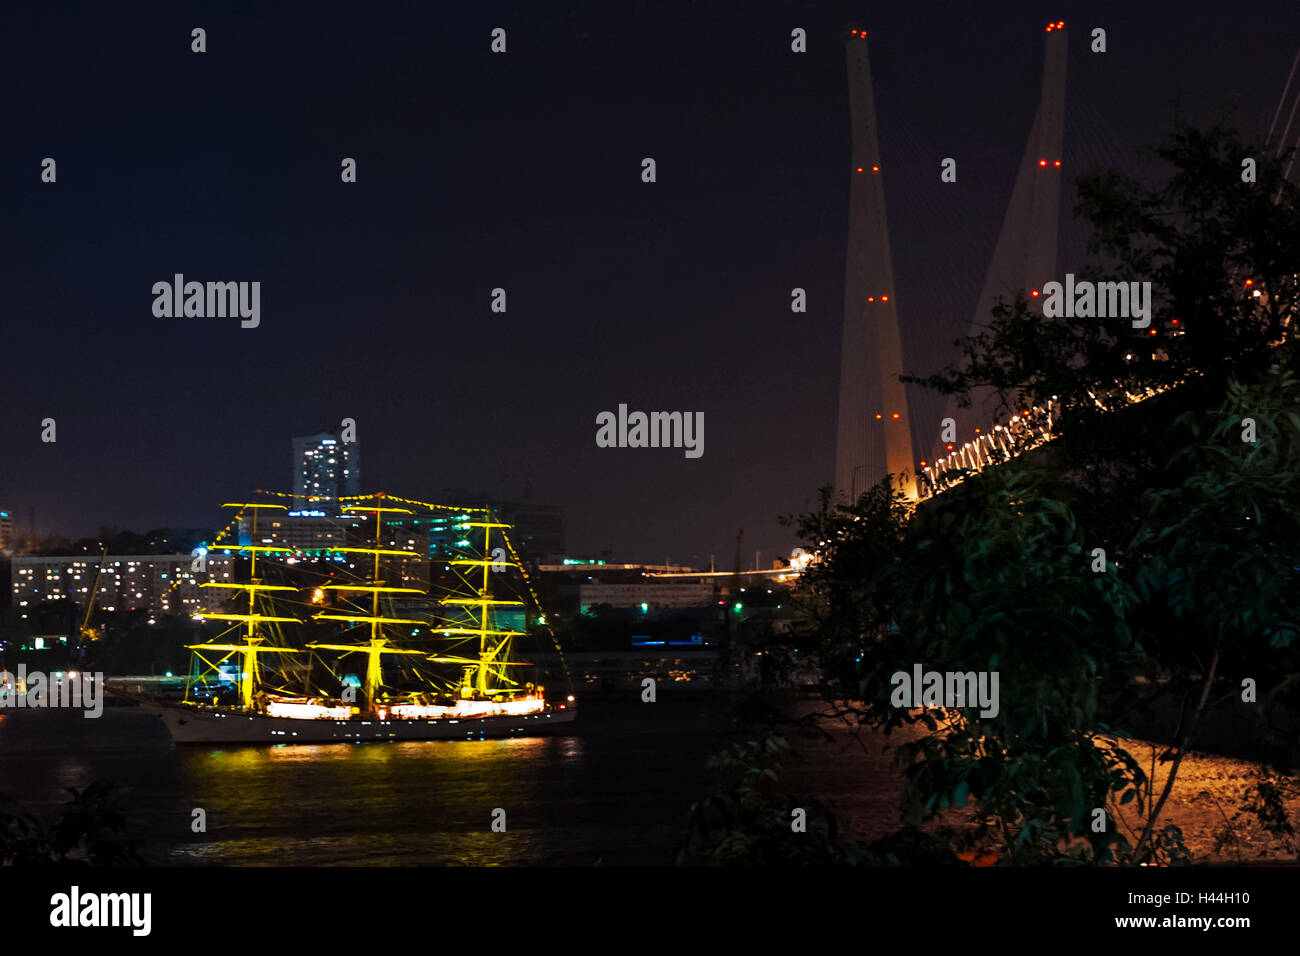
157,583
324,467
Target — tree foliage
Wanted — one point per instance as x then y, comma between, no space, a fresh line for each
1199,528
89,829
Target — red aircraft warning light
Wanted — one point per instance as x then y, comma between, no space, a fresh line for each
1034,293
879,416
1250,282
1042,162
1057,164
875,169
884,298
895,416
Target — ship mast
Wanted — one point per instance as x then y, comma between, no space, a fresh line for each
378,644
475,681
253,641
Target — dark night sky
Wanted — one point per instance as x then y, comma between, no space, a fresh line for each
520,171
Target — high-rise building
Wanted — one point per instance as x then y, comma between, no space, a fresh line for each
536,530
324,468
6,528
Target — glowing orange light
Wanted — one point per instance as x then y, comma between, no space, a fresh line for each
895,415
875,169
884,298
1173,321
1034,293
1042,162
859,169
977,431
949,447
879,416
1152,332
871,298
922,464
1250,282
1057,163
1026,411
1060,24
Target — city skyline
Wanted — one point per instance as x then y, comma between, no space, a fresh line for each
376,296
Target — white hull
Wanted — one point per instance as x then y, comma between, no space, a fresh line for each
194,725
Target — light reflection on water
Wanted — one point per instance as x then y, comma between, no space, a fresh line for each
617,791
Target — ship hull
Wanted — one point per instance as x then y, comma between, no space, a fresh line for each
191,725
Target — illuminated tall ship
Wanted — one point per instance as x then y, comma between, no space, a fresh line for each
438,668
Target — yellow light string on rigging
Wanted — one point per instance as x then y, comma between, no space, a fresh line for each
463,509
538,604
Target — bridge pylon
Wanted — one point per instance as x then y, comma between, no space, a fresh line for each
875,429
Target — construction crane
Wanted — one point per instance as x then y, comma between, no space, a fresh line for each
735,577
86,634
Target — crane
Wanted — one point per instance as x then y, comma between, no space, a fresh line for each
87,633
